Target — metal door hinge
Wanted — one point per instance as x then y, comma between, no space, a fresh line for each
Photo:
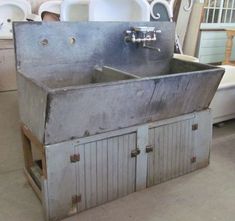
194,159
195,127
135,153
75,158
149,149
76,199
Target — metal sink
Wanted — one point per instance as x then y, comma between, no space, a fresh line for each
95,82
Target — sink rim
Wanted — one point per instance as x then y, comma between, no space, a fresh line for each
39,83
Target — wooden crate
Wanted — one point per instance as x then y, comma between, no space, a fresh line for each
83,173
7,66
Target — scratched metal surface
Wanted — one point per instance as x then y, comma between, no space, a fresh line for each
70,106
96,44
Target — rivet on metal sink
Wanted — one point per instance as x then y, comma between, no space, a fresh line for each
72,40
44,42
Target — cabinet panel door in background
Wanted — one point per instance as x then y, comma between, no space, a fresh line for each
173,149
7,66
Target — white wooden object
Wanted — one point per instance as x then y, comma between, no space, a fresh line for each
193,32
223,103
106,169
182,21
212,46
141,166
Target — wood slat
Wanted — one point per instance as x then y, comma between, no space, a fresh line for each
173,149
106,170
61,181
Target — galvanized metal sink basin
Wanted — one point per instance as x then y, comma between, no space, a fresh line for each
81,79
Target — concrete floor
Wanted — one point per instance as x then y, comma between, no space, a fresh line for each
207,194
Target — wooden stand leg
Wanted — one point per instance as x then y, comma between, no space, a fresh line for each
228,52
28,139
27,150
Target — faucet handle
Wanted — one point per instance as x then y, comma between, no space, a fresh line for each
158,31
141,34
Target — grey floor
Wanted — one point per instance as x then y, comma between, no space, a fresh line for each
207,194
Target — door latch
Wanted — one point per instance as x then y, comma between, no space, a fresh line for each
135,153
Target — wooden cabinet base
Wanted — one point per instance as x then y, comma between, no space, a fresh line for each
83,173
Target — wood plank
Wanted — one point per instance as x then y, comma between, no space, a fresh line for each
203,144
99,175
28,156
110,169
212,51
93,174
62,181
132,129
211,59
158,154
126,157
105,170
81,182
33,184
165,149
173,150
193,31
28,139
115,168
192,140
178,134
207,35
132,144
187,156
213,43
182,21
141,162
150,158
88,178
121,170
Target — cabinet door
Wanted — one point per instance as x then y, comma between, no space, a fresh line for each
202,139
173,150
106,170
61,180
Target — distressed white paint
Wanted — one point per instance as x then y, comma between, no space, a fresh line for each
106,170
141,166
212,46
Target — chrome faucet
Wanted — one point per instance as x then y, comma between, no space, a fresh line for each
142,35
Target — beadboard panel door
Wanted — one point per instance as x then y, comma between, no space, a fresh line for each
172,151
106,171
